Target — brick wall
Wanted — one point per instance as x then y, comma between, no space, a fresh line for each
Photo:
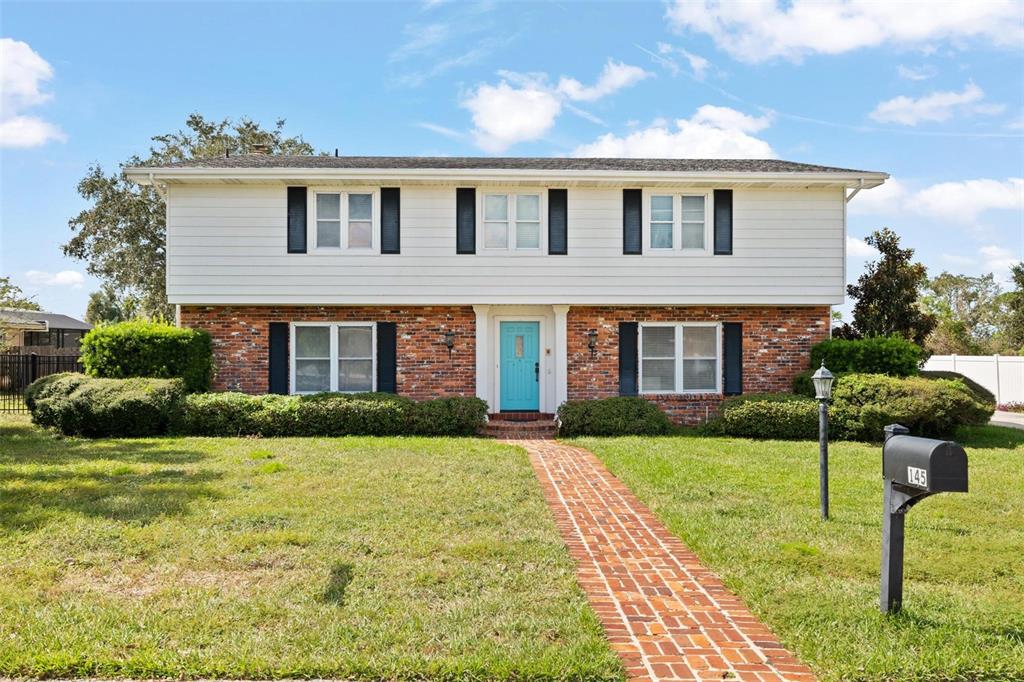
776,346
240,343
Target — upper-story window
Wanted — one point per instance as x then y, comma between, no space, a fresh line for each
512,221
680,358
679,222
344,220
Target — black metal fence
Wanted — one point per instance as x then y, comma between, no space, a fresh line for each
18,371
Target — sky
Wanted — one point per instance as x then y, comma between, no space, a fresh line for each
931,93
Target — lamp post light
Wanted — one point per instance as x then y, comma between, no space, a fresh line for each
823,379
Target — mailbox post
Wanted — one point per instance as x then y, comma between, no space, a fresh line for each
912,469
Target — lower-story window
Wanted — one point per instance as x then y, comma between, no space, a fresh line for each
333,357
680,357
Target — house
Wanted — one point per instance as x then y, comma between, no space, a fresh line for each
524,281
34,331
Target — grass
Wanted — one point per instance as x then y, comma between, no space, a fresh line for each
357,558
750,511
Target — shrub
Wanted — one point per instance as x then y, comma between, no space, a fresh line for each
78,405
980,392
149,349
621,416
875,355
773,415
448,417
1012,407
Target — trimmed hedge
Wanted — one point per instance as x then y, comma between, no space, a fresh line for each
874,355
620,416
980,392
141,348
79,405
770,415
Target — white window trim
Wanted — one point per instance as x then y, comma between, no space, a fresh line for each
334,326
510,248
679,327
677,222
374,247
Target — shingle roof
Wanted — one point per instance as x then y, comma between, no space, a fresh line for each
267,161
54,320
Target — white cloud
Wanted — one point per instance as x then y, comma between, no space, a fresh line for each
698,65
757,30
859,248
440,130
614,77
64,278
998,259
22,75
712,132
964,201
886,198
936,106
916,73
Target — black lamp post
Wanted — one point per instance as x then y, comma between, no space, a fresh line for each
823,379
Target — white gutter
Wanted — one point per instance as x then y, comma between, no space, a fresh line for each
852,194
161,191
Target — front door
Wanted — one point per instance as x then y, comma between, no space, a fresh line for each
520,366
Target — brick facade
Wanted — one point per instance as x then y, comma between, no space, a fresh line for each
425,370
776,346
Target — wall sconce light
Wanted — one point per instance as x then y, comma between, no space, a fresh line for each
592,342
449,341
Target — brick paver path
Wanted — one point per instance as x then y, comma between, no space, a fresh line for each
668,616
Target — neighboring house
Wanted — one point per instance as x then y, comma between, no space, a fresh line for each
524,281
33,331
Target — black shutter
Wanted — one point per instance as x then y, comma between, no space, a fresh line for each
627,358
723,222
732,353
632,229
558,222
390,220
465,220
277,357
296,220
387,357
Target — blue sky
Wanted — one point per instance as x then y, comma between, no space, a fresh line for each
932,94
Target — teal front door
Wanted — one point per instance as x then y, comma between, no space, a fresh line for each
520,366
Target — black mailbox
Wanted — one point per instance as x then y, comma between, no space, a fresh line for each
912,469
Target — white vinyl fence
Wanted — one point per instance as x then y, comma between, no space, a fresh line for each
1001,374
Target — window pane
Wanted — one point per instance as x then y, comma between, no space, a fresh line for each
693,208
699,342
527,235
528,207
328,206
659,342
661,235
658,375
360,206
496,235
360,234
328,233
355,342
661,209
312,342
693,235
699,375
312,375
496,207
355,375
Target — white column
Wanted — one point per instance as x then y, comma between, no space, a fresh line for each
561,354
483,353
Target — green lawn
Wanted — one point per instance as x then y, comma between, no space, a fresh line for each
750,511
358,557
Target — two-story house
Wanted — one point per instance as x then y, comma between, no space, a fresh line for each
524,281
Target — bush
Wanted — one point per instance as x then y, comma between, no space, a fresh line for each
149,349
328,414
980,392
78,405
773,415
875,355
621,416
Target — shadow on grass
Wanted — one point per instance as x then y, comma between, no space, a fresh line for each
337,583
990,437
31,446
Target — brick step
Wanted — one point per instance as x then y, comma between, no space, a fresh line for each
515,429
521,417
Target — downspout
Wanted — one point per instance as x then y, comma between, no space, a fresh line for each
860,186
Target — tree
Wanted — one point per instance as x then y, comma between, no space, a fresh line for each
1011,327
11,296
106,305
966,310
887,293
121,236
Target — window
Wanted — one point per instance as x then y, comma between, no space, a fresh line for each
351,210
678,222
512,218
333,357
680,358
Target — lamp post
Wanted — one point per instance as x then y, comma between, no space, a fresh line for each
823,379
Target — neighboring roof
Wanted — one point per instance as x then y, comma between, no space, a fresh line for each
268,161
32,319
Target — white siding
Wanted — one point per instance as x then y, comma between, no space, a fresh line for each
227,244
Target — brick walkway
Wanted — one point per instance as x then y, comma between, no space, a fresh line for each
668,616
